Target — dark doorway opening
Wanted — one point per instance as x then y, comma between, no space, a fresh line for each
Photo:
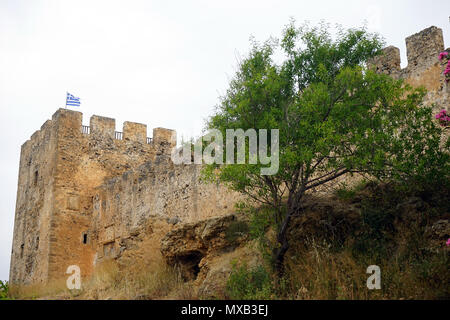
189,264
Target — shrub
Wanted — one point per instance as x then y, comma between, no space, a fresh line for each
249,283
4,290
236,230
345,192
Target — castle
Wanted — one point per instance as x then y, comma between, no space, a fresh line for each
84,190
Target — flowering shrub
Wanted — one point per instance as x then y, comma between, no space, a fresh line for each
444,55
443,118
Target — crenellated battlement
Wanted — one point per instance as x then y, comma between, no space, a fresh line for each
423,68
422,48
105,128
422,51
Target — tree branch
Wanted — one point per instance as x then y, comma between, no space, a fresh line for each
336,175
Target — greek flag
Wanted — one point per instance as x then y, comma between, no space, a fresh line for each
72,100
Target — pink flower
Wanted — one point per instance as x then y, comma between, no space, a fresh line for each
442,55
448,242
441,114
443,117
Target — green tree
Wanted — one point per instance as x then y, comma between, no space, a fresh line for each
335,116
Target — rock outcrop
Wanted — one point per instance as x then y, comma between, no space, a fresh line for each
192,244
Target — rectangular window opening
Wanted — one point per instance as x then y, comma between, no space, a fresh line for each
36,176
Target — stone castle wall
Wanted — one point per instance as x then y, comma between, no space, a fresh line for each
423,69
60,169
158,189
34,206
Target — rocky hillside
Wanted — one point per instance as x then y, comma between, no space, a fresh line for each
333,240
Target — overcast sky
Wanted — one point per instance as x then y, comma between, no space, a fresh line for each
163,63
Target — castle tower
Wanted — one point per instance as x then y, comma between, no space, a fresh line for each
60,167
423,68
422,50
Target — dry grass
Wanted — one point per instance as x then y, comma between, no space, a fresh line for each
113,281
319,273
56,289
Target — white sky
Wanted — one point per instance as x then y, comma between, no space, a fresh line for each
160,63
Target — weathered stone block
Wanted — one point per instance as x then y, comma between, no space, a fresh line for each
388,62
135,131
422,48
103,127
163,135
109,234
73,203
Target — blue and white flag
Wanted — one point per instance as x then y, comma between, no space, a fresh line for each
72,100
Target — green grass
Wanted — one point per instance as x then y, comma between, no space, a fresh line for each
4,290
250,283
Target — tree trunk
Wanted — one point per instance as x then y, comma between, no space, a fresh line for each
282,235
279,258
284,245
